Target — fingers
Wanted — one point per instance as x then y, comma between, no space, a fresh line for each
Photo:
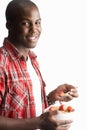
64,125
53,113
66,98
73,92
49,122
64,122
69,95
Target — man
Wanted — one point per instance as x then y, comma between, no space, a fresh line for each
22,88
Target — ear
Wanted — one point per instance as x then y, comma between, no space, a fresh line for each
8,25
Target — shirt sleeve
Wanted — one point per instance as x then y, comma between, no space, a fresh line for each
2,84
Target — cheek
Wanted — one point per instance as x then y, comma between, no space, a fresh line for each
21,34
23,31
40,29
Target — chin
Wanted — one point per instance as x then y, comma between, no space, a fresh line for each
32,46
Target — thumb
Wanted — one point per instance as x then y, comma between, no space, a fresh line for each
53,113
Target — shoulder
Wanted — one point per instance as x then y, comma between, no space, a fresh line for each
3,55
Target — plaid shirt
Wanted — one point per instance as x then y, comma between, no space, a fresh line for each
16,96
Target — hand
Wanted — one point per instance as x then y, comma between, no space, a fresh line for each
64,124
72,93
49,122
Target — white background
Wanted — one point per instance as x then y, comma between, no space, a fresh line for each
62,48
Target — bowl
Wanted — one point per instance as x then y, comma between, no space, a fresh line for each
64,115
64,112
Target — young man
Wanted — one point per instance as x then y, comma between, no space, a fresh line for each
22,88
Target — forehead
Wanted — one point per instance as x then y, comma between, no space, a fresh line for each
30,12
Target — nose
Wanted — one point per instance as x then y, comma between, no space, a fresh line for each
32,28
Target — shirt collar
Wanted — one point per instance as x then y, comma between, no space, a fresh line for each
14,52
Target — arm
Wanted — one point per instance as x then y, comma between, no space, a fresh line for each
46,121
18,124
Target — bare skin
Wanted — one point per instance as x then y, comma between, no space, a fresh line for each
24,33
73,93
45,122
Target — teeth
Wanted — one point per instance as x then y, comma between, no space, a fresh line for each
32,38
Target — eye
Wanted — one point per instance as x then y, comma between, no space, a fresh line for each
38,23
25,23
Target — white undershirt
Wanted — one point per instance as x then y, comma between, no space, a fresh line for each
36,87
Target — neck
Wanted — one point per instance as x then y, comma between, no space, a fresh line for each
23,50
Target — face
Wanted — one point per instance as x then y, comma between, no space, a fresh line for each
27,28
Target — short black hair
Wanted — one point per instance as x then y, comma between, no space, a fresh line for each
15,5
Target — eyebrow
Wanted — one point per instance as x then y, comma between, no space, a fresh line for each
31,20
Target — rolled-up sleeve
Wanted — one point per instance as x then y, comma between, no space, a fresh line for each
2,84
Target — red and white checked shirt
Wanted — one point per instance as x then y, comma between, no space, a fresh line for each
16,96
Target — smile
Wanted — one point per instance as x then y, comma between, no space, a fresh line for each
32,38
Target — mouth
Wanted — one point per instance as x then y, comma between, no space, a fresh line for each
32,38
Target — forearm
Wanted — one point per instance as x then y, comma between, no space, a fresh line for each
18,124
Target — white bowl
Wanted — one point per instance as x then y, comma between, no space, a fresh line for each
62,115
65,115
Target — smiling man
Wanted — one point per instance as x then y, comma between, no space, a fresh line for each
22,88
23,24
